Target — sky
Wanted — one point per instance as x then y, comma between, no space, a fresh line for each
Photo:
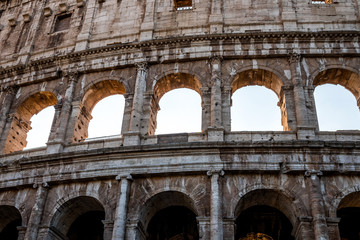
254,108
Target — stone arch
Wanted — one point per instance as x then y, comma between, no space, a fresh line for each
20,124
164,200
167,83
272,81
348,210
93,94
268,200
10,218
70,211
344,76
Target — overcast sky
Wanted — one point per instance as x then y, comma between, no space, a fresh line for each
254,108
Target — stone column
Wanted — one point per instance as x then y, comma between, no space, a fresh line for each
133,136
127,113
216,19
317,204
66,120
108,229
216,223
84,37
9,93
205,104
37,211
304,129
226,108
21,232
147,26
121,208
287,106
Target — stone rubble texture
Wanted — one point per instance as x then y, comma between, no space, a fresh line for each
143,49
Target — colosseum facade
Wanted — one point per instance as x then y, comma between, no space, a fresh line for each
299,183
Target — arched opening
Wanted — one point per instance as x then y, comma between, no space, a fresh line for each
40,128
335,106
10,219
254,108
349,214
77,219
173,223
263,220
180,111
93,95
258,97
169,215
107,117
266,212
166,84
21,124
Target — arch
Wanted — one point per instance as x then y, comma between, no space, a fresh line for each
348,211
20,125
71,211
348,78
94,93
260,77
164,200
10,218
165,84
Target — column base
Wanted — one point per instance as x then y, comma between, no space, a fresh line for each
215,134
132,139
305,133
55,147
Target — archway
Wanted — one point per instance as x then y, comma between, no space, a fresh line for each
331,99
267,212
77,219
20,125
169,215
93,95
166,84
265,78
10,219
349,213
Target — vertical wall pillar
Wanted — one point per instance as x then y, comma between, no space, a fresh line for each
226,108
21,232
55,122
7,100
287,106
216,223
206,108
302,230
216,19
36,212
304,128
133,136
108,229
204,224
127,113
84,37
121,208
317,204
147,26
66,121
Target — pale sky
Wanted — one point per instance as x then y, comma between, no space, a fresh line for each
254,108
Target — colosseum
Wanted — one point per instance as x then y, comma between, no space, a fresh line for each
300,183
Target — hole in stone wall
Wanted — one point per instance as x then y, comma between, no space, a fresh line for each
336,108
62,22
254,108
173,223
180,111
263,220
183,5
40,128
107,117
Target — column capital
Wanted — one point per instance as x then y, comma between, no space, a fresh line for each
310,173
141,66
126,176
215,172
71,75
294,57
216,59
44,185
9,89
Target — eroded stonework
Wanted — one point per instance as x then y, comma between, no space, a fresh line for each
299,183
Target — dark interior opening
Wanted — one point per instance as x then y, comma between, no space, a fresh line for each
263,219
87,227
10,231
349,225
62,22
173,223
